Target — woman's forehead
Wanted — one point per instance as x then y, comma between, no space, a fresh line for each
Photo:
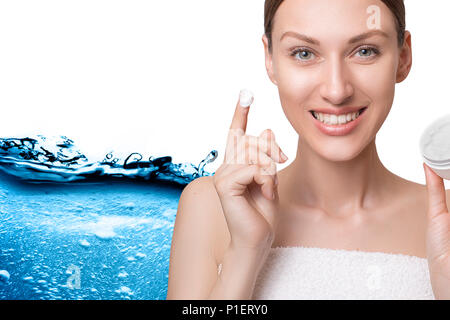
336,18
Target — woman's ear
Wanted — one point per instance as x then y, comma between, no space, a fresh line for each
405,61
268,59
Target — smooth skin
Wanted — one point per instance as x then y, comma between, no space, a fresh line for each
336,193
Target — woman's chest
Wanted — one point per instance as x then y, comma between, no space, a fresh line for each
403,230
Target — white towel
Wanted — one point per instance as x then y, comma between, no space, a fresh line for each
319,273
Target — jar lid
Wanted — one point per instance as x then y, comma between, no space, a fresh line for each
435,164
435,142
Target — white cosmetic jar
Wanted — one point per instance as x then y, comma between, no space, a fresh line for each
435,146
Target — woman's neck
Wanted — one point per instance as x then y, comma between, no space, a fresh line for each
340,189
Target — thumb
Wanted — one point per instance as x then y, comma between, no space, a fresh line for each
437,203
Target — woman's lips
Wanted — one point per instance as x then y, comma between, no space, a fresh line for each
338,129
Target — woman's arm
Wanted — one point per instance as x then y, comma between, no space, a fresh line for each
438,234
240,268
193,270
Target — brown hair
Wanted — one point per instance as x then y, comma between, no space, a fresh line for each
396,6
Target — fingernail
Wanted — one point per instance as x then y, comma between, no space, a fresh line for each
283,156
245,98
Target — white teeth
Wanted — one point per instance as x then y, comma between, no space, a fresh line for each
334,119
349,117
342,119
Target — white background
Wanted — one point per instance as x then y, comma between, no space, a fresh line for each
163,77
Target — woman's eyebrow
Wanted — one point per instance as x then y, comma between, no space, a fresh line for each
354,39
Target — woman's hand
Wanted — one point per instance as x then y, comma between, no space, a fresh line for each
438,235
246,183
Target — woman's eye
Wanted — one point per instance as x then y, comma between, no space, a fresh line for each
304,54
365,52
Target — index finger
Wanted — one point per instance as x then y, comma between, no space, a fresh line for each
239,121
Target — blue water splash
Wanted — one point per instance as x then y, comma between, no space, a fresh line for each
74,229
41,159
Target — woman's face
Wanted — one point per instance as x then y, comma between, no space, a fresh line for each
335,73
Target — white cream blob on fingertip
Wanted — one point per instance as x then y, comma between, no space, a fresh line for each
245,98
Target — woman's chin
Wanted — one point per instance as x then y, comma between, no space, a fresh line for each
338,152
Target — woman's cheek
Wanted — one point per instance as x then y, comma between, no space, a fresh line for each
296,89
296,84
378,84
294,79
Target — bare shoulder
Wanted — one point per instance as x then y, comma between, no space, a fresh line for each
198,234
417,195
202,194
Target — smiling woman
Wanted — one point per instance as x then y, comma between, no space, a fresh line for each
353,68
334,223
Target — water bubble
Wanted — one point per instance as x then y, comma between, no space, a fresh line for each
105,233
140,255
4,275
124,290
84,243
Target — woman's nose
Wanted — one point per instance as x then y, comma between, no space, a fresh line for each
336,87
